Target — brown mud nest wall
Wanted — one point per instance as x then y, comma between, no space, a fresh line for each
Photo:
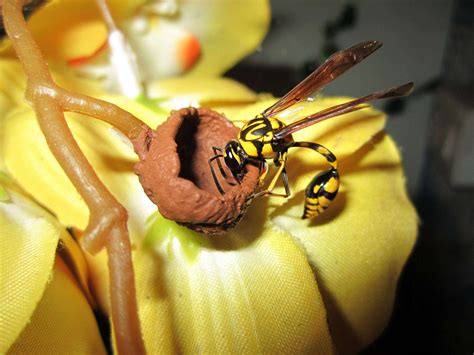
175,173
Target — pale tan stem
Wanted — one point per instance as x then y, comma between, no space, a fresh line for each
108,219
124,121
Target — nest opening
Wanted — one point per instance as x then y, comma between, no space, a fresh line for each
186,141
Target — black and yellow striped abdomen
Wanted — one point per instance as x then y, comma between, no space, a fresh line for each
323,187
320,192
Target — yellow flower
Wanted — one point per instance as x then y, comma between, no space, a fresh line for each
200,38
44,306
274,284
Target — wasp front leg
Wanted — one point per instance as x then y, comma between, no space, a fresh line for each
219,152
263,173
323,188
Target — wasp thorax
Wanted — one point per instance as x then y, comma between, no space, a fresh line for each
175,173
256,137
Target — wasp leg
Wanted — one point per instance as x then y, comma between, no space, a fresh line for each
263,172
214,176
323,187
218,151
278,163
281,163
285,183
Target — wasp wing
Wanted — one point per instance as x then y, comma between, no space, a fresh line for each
346,107
333,67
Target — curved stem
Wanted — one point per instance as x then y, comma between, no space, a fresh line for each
108,219
124,121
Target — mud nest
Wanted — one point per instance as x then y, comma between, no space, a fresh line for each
175,174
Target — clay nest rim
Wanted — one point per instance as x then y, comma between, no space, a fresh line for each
175,174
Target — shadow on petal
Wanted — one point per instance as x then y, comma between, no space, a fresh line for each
339,325
336,207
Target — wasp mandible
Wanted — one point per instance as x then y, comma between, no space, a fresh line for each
265,137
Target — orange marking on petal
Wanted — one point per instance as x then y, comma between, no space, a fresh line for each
78,61
189,51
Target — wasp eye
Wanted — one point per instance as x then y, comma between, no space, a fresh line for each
232,157
232,163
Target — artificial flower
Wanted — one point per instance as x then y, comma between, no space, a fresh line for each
46,308
197,38
274,284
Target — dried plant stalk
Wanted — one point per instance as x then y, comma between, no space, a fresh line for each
108,218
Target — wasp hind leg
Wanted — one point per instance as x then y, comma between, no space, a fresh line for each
323,187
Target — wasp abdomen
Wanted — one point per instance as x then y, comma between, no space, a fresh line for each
320,192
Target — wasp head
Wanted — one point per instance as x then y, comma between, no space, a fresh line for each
234,157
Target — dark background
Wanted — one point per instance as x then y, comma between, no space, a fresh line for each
430,42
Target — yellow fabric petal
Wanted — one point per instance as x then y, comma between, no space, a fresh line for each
341,135
30,162
12,85
200,290
251,291
72,28
63,321
207,92
359,245
73,256
227,30
25,154
4,195
38,172
28,241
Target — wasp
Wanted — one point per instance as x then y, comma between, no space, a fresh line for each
265,137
